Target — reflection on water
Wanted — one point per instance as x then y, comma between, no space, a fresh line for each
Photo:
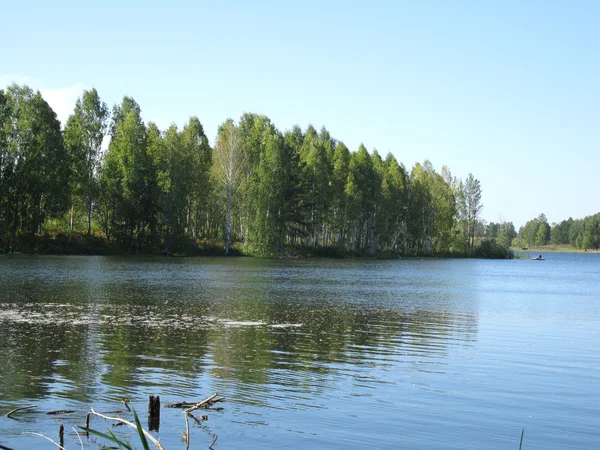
313,353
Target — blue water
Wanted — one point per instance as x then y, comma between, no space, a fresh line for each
439,354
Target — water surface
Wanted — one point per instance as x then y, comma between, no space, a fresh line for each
439,354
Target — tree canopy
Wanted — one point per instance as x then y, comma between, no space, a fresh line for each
267,190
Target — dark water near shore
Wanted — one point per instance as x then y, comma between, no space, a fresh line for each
437,354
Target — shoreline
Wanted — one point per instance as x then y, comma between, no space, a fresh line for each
79,244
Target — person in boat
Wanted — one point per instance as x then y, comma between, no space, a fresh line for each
540,257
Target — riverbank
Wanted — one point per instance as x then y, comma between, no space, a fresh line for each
78,243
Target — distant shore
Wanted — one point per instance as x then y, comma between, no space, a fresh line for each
561,248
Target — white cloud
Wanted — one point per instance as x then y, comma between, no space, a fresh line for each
161,122
62,98
8,79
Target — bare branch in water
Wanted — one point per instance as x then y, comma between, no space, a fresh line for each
208,400
8,414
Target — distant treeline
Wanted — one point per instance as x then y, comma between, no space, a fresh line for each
580,233
260,189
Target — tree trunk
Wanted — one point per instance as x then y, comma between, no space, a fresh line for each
228,232
89,221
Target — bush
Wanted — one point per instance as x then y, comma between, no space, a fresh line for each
490,249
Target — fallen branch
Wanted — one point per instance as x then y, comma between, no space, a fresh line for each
183,404
132,425
8,414
213,442
4,447
208,400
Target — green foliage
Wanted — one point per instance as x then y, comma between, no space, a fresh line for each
584,233
536,232
559,232
140,430
472,199
506,234
83,135
491,249
259,190
109,436
34,163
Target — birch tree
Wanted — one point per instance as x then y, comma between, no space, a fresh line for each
232,169
83,135
473,207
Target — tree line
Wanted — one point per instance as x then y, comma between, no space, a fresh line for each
258,188
582,234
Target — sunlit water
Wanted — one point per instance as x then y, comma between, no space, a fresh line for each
437,354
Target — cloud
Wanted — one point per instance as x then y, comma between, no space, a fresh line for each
7,79
61,98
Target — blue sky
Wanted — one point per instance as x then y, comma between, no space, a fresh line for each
509,91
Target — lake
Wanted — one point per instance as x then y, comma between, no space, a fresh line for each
342,354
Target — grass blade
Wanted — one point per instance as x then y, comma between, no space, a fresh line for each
109,437
521,443
140,430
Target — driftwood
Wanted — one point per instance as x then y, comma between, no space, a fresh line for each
191,406
4,447
8,414
129,424
208,401
61,411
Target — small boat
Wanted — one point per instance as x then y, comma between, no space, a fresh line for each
538,258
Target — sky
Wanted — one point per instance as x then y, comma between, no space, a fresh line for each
508,91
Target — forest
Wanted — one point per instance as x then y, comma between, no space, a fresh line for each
582,234
256,191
